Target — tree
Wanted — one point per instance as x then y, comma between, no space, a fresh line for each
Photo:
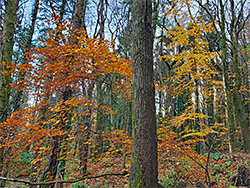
24,39
65,61
144,165
6,56
78,22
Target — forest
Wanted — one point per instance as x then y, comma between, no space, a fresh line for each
124,93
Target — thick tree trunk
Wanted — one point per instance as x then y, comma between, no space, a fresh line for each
6,56
144,166
78,19
230,111
240,113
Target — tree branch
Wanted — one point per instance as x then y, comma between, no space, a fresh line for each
209,14
124,173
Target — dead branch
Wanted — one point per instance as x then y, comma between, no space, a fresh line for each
62,181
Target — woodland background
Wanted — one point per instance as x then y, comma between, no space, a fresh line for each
66,92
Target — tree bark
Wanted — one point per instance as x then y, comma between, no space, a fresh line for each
16,94
51,170
78,18
144,165
78,22
20,92
240,114
6,54
230,111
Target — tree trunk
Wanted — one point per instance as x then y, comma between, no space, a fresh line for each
240,114
144,165
51,170
99,115
78,22
6,56
99,118
229,100
78,18
54,160
20,92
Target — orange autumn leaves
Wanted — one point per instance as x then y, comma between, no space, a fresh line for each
67,58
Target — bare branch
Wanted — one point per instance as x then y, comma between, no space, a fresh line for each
244,23
124,173
209,14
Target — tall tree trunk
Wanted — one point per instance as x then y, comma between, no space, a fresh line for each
99,115
78,22
229,99
54,160
144,165
6,56
17,98
211,117
20,93
240,113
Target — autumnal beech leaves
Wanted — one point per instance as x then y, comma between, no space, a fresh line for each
65,62
68,59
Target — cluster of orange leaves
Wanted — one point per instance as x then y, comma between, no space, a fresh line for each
65,61
68,58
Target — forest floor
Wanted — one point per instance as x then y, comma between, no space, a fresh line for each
225,170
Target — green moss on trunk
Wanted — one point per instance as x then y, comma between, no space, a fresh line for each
6,56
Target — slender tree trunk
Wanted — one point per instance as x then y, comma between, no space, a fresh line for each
197,111
211,117
20,93
84,134
54,160
99,116
144,165
99,122
84,146
51,170
78,22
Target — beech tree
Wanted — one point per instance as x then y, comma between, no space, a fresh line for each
144,165
6,52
